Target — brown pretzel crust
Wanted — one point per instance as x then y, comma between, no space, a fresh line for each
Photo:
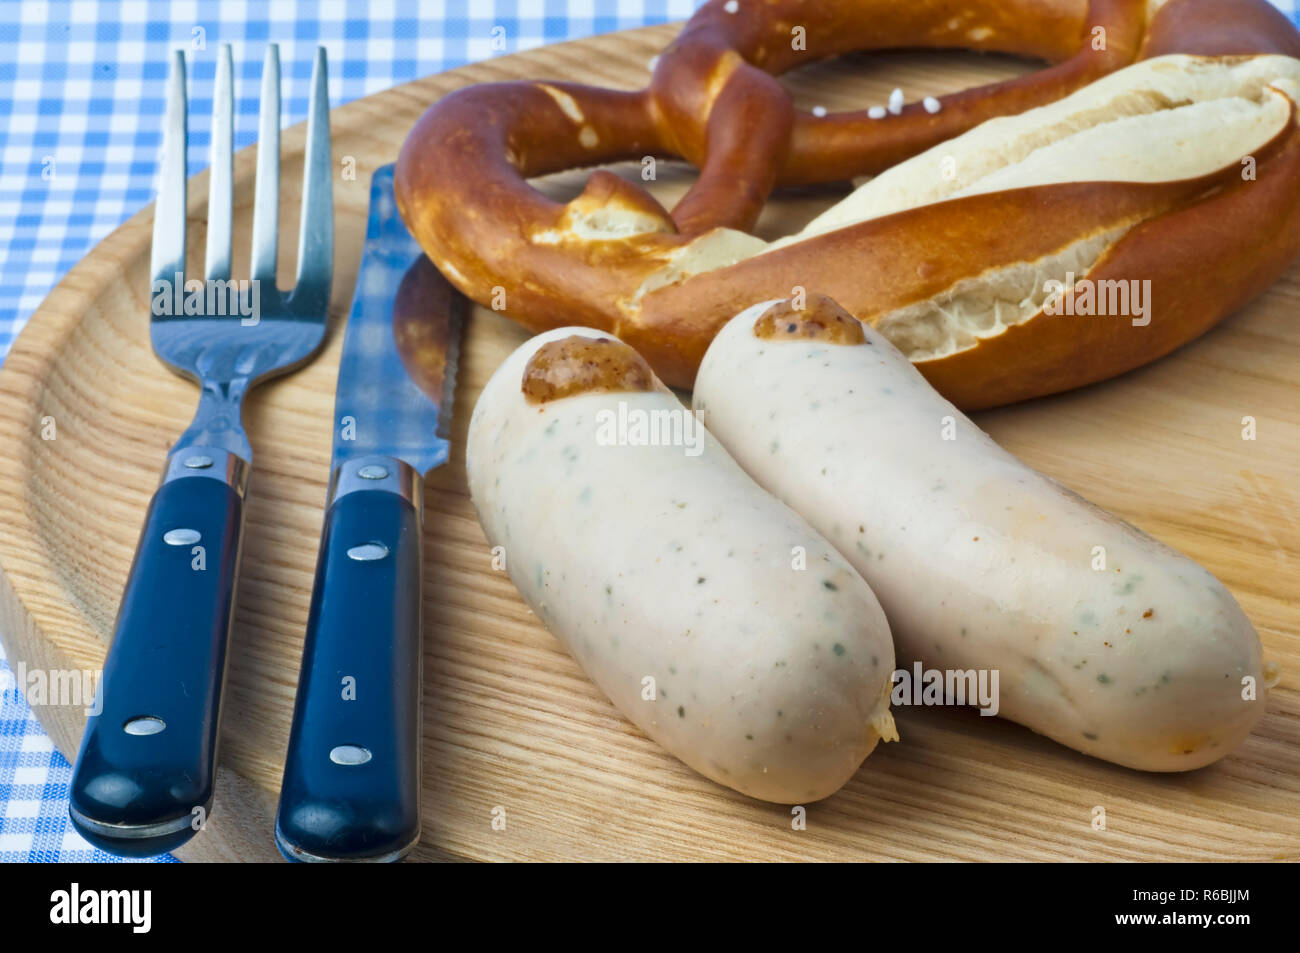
1219,28
714,101
1252,226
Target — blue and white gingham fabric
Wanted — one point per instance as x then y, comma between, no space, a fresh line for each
81,101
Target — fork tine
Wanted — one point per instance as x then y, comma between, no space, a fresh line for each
220,190
167,257
266,207
316,231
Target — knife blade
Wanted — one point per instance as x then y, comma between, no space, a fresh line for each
352,773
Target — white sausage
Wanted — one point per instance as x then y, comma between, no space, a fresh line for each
979,561
770,657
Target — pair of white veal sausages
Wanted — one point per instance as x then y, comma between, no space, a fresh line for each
724,610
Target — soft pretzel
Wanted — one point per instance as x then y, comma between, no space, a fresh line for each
1182,169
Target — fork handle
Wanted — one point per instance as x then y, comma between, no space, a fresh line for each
351,789
143,781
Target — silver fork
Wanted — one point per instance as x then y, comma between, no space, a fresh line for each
144,778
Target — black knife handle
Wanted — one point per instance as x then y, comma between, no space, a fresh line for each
351,789
143,781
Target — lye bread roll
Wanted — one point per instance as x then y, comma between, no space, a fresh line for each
1150,123
1171,186
1175,117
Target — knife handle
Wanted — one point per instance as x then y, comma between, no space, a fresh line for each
143,781
351,789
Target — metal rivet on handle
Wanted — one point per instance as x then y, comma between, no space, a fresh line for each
200,461
368,552
144,725
182,537
372,471
349,754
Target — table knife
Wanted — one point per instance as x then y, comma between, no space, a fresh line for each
352,773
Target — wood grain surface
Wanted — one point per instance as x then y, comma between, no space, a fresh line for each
510,721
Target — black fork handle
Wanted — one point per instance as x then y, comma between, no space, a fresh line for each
144,778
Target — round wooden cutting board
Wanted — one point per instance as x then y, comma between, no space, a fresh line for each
511,724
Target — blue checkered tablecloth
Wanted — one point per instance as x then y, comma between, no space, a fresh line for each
81,100
81,103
